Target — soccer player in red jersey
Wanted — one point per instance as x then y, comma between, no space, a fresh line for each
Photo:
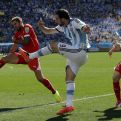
25,35
117,69
116,75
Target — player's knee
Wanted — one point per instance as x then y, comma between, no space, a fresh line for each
40,79
116,78
53,46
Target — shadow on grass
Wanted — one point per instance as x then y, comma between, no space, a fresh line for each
59,118
21,108
109,114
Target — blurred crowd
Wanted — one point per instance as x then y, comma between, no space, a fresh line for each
102,15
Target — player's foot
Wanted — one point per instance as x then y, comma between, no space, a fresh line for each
2,63
57,97
24,54
65,110
118,104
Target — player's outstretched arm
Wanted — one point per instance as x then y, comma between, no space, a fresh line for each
115,47
45,29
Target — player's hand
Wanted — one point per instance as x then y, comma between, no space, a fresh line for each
116,47
14,39
41,23
86,29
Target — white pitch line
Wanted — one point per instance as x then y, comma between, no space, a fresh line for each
86,98
80,99
93,97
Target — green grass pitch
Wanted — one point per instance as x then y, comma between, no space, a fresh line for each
23,98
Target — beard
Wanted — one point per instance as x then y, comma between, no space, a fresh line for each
62,24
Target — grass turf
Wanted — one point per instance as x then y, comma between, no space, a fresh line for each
22,98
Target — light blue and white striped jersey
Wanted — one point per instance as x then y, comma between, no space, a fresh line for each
73,32
118,32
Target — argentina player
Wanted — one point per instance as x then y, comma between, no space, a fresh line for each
75,52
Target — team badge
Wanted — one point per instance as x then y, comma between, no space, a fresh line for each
27,29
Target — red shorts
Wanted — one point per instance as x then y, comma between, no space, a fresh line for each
33,64
118,67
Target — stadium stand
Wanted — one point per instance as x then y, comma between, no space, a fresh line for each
102,15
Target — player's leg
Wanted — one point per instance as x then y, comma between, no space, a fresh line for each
34,65
70,87
74,61
71,71
51,48
116,84
10,58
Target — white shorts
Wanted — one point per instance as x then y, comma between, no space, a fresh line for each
76,57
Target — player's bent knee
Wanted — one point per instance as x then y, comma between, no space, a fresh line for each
53,46
115,78
38,75
10,58
40,79
4,59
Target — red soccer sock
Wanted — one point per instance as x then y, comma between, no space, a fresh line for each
2,63
48,85
116,87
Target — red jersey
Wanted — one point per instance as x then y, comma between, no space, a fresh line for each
27,30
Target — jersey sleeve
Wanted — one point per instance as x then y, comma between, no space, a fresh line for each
115,33
59,28
78,24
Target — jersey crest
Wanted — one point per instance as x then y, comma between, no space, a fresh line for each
27,29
